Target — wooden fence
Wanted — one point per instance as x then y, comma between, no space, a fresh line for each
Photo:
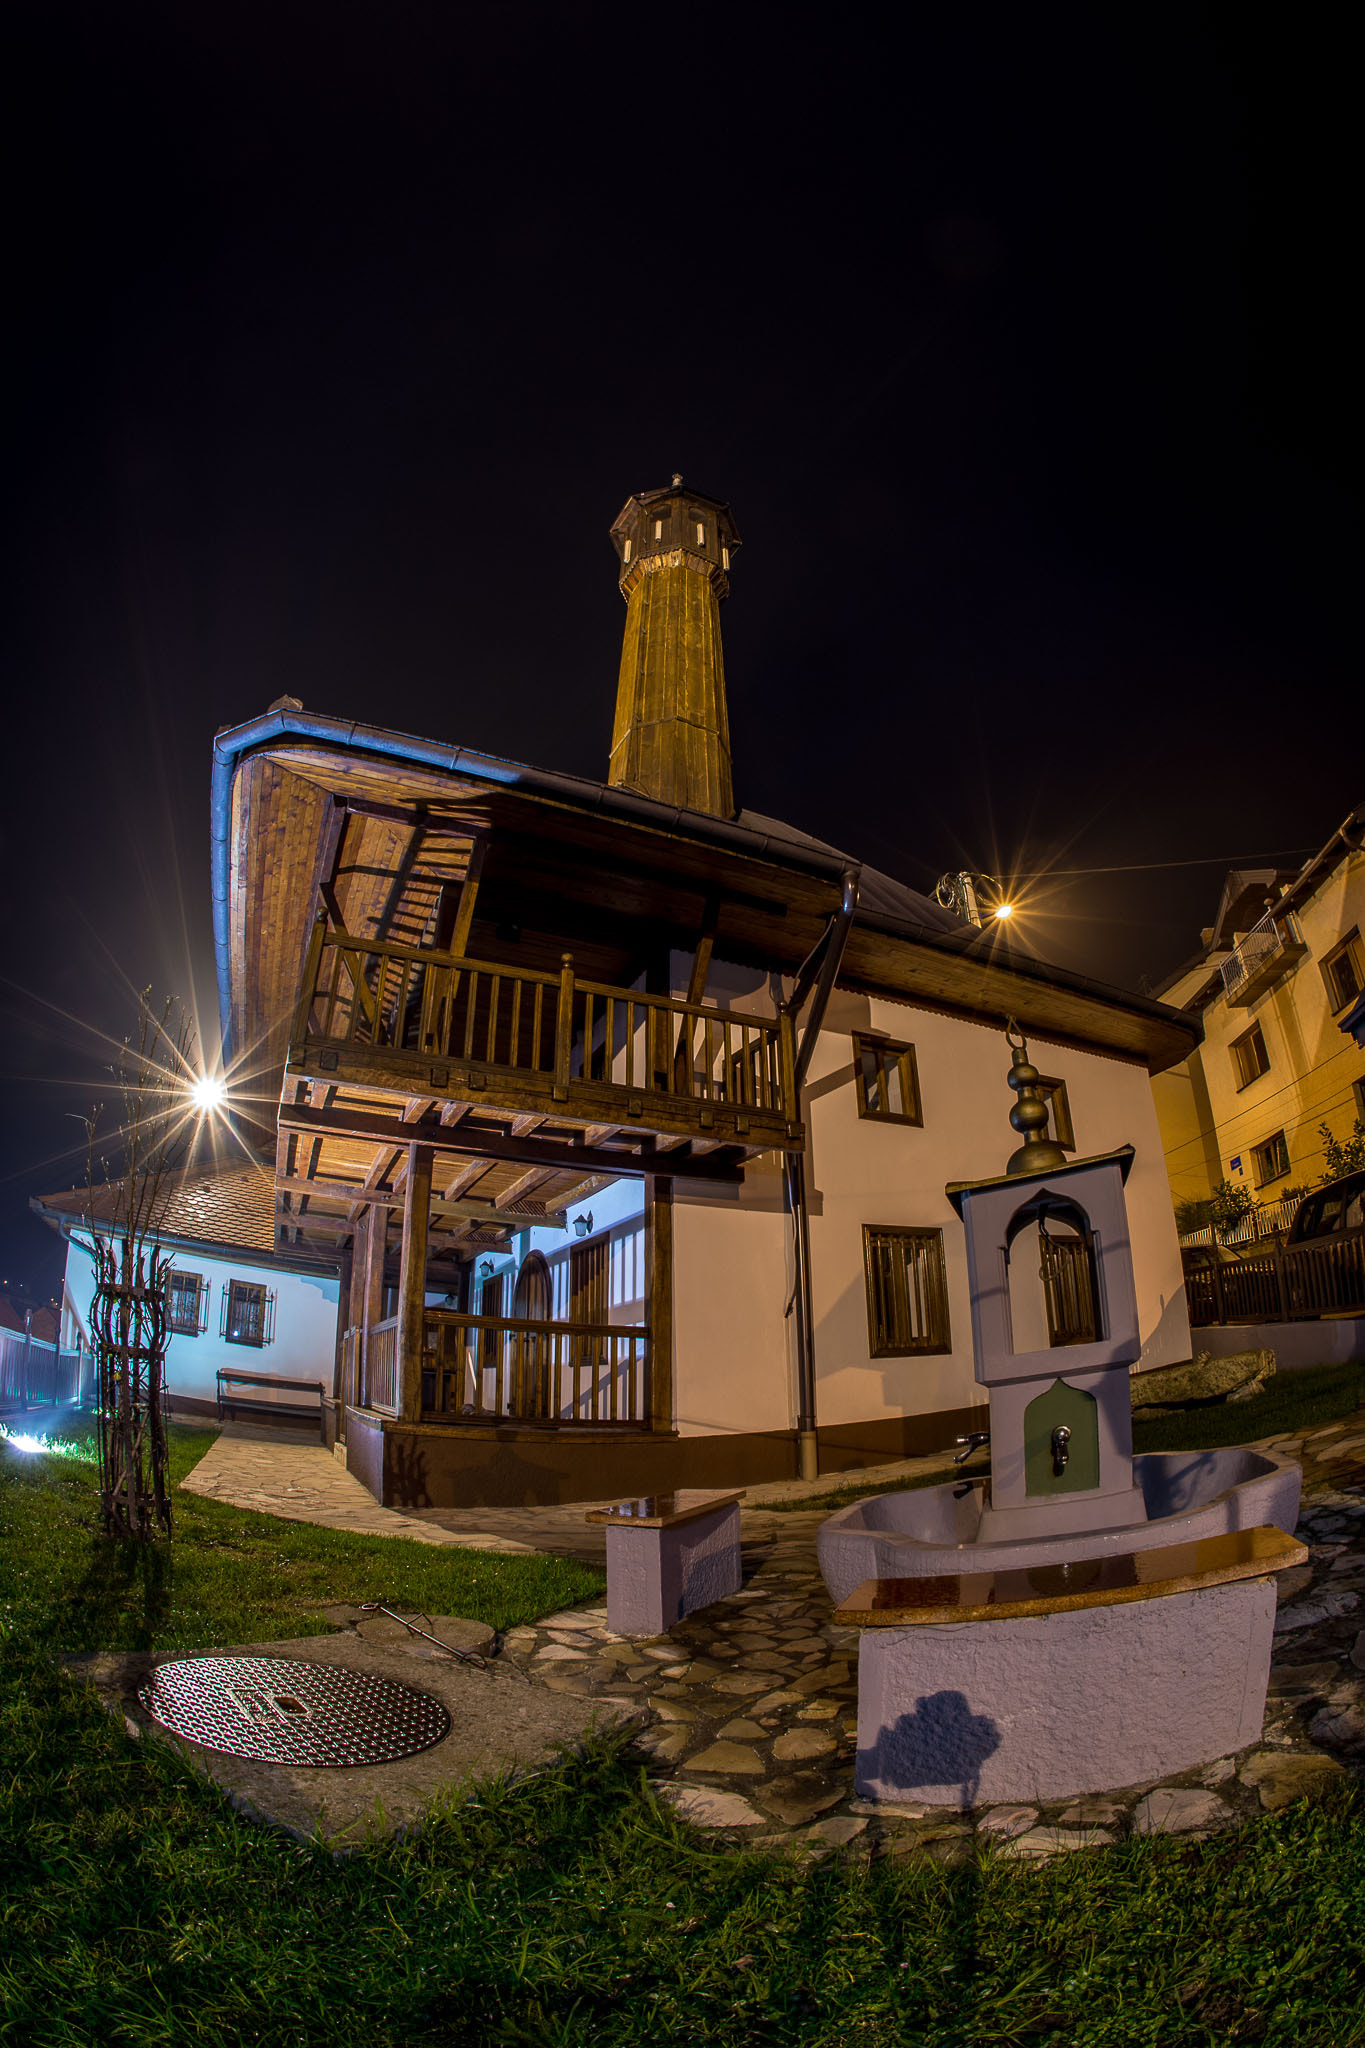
590,1375
1288,1284
34,1374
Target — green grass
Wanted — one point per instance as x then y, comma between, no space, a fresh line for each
229,1576
1292,1403
136,1908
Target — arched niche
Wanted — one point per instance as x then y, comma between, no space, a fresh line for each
1061,1407
1053,1282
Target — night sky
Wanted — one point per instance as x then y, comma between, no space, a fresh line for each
337,336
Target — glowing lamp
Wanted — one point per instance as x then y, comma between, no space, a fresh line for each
209,1092
25,1443
1004,910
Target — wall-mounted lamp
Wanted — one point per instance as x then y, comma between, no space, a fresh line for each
485,1268
582,1225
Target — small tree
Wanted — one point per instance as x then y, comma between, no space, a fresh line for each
1343,1155
125,1212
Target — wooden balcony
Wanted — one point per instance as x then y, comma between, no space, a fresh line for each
411,1021
478,1370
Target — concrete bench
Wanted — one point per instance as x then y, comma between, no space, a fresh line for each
1055,1680
668,1554
263,1409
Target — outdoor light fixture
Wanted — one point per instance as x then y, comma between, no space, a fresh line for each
209,1092
25,1443
1004,910
485,1268
582,1225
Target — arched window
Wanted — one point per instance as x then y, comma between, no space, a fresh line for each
1067,1305
534,1292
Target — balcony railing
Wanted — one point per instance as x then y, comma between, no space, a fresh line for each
481,1369
1263,955
416,1008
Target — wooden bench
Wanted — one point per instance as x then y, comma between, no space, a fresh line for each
667,1555
262,1409
1054,1680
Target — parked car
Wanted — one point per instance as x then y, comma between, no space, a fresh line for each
1331,1212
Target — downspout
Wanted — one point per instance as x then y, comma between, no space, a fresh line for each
794,1178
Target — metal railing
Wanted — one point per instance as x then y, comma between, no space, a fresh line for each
481,1368
1267,1219
1289,1284
403,999
1276,932
37,1374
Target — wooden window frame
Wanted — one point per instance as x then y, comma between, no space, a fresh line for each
1060,1127
1347,948
201,1304
234,1289
880,1339
1244,1080
874,1042
1264,1180
1358,1090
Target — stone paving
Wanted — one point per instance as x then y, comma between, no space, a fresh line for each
750,1706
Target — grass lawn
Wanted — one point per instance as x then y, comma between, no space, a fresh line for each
136,1908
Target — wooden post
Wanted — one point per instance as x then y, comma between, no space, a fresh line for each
787,1058
308,988
659,1292
412,1282
372,1288
564,1031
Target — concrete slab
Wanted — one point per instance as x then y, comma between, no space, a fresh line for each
501,1726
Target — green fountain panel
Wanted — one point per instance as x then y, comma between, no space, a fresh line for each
1061,1407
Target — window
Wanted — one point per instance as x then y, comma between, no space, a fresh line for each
907,1291
187,1303
1342,972
627,548
1058,1112
1358,1090
659,525
725,558
1249,1056
1270,1161
248,1314
887,1079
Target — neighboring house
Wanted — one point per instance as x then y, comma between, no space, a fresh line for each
237,1301
1277,986
628,1114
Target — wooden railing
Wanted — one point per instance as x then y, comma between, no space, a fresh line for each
402,999
379,1377
480,1368
1290,1284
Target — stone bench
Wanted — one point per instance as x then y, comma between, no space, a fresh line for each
668,1554
1055,1680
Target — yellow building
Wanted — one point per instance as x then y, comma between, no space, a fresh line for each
1277,977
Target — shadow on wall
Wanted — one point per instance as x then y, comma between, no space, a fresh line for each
935,1753
1169,1343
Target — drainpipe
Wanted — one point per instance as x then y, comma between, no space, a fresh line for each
794,1178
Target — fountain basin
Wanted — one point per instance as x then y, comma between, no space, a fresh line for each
933,1529
1056,1705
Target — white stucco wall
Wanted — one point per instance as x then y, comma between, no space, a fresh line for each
304,1343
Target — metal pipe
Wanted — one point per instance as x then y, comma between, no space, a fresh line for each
794,1185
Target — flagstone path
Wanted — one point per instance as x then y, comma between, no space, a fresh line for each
751,1703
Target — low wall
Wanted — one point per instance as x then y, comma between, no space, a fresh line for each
1332,1340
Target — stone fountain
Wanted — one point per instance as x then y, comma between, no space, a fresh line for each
1114,1665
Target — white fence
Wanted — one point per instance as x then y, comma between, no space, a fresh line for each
1271,1219
34,1374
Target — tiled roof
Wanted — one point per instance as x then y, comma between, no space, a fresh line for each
226,1205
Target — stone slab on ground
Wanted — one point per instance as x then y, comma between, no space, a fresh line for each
500,1727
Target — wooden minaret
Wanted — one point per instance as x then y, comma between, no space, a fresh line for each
671,739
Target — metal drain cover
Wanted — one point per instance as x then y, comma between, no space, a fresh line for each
284,1712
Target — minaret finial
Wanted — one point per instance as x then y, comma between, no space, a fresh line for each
1038,1153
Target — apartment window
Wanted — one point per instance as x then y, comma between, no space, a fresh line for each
1358,1090
1249,1056
907,1291
187,1303
1059,1127
887,1080
1343,973
1270,1161
248,1314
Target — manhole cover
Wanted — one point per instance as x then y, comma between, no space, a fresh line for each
288,1713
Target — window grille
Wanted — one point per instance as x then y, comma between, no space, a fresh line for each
907,1291
248,1314
187,1303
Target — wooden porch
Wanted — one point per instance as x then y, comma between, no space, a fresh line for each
478,1370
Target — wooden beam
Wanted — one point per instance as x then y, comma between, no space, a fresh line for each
723,1164
523,1185
659,1294
412,1282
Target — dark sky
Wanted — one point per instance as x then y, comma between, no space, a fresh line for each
338,334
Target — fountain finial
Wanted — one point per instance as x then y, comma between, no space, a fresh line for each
1029,1116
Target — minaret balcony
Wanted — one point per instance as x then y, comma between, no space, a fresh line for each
410,1020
